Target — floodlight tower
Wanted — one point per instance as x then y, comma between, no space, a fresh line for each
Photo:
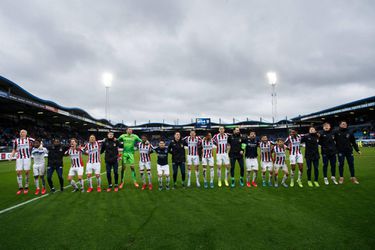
107,81
272,80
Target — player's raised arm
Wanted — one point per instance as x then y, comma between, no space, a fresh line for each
14,150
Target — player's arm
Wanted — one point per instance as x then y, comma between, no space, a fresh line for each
214,139
121,139
354,143
243,144
229,142
102,149
137,139
84,149
287,141
151,150
170,147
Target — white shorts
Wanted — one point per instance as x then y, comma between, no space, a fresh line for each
267,165
298,158
75,171
252,164
23,164
163,169
276,167
222,159
39,169
208,161
193,160
144,165
90,167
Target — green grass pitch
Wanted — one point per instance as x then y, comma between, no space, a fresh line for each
329,217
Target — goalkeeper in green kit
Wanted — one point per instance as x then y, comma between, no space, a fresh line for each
129,141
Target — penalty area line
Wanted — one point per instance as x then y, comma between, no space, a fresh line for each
35,199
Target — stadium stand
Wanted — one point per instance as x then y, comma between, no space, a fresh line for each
46,119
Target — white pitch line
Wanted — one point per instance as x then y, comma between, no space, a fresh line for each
36,198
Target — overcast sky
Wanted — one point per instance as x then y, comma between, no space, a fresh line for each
186,59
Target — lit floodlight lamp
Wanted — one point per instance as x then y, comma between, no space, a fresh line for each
272,78
107,79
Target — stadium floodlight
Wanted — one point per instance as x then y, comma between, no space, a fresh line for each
107,79
272,80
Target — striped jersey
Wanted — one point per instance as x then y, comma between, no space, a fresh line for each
38,155
294,144
75,157
221,141
192,144
93,150
280,155
265,151
144,152
207,147
23,147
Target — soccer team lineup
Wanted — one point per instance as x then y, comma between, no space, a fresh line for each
255,155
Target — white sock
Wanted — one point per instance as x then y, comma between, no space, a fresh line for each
168,180
160,181
226,174
82,185
212,174
149,177
189,175
73,183
269,177
90,182
299,175
26,181
254,176
37,183
219,174
204,174
285,177
248,176
99,180
143,177
197,175
19,181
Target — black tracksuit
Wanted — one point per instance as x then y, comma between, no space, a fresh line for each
328,151
345,142
110,147
177,149
311,154
55,162
235,142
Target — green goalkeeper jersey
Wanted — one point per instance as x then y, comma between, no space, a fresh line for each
129,142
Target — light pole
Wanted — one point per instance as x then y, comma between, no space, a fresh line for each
272,80
107,81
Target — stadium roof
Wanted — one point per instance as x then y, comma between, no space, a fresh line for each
13,92
363,106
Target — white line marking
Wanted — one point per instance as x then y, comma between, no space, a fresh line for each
36,198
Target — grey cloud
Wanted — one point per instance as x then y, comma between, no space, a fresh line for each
183,59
